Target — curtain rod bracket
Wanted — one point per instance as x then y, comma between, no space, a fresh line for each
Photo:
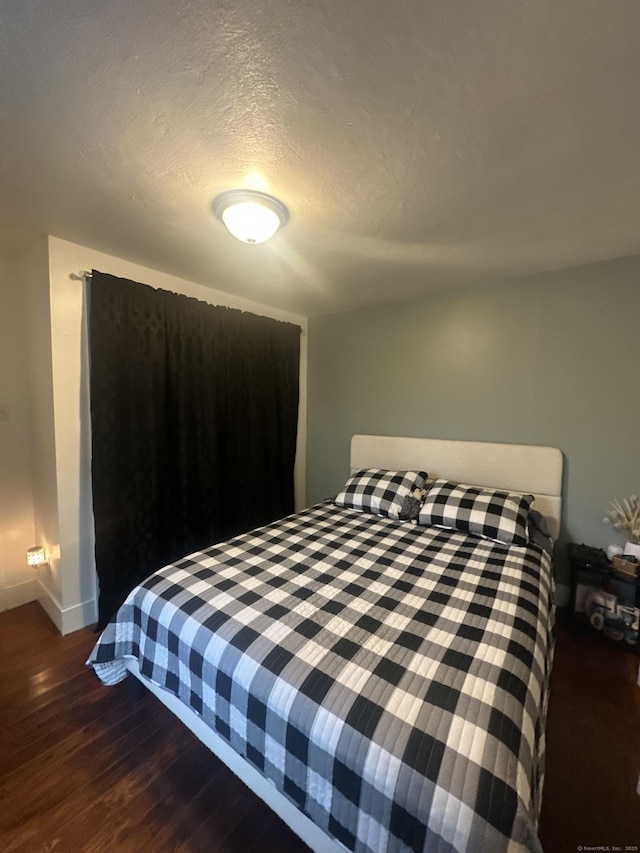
82,276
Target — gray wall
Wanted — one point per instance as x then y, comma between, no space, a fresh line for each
551,359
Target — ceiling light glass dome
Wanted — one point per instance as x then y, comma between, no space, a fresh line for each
250,216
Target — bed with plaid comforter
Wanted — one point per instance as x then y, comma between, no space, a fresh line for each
390,679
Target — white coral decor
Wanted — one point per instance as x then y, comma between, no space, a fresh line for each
625,515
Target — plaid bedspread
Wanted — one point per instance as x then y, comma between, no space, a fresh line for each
390,679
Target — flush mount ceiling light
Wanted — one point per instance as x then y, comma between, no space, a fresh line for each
251,216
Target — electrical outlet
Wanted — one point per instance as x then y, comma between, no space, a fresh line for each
5,413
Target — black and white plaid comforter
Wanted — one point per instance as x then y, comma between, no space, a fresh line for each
389,678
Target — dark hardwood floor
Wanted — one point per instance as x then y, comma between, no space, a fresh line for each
84,768
591,794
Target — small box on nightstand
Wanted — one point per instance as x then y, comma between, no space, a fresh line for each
627,566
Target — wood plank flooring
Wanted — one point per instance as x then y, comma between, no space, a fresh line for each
591,794
84,768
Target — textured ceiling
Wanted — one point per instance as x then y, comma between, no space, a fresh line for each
419,144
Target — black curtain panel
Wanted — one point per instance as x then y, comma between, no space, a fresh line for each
194,412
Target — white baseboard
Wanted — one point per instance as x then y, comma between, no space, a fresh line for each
18,594
67,619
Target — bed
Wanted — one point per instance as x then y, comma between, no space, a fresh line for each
381,682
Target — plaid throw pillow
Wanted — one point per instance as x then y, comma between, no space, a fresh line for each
484,512
379,491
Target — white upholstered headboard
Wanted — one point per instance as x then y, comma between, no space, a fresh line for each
525,468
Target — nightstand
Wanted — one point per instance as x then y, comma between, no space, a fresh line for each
590,569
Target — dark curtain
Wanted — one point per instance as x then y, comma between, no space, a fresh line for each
194,413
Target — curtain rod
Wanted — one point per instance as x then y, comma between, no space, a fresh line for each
83,275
